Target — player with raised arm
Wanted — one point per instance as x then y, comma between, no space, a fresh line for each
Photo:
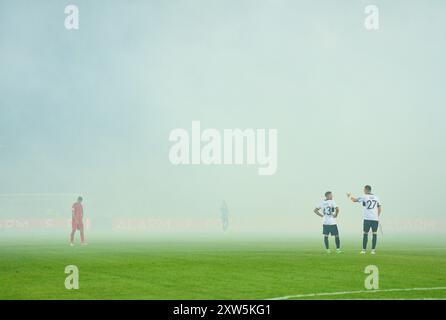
330,211
372,211
77,211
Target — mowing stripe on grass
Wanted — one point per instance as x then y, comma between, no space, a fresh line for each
353,292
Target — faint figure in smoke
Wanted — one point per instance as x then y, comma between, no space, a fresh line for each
77,214
224,213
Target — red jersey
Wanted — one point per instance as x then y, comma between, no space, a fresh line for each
77,210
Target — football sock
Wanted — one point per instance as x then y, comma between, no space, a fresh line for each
364,241
326,242
374,238
338,242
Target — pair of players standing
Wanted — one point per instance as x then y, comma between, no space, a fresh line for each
371,211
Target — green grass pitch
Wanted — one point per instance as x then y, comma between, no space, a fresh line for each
216,269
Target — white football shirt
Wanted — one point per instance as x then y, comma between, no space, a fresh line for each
328,210
370,204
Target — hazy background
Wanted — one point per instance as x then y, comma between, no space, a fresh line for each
89,112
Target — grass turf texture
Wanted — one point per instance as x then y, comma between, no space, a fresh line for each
244,269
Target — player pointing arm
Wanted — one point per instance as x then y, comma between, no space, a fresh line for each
371,211
359,199
349,195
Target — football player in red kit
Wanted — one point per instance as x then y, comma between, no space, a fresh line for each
76,222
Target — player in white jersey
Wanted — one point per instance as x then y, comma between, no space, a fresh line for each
329,213
371,207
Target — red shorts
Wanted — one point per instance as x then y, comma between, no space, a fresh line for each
76,226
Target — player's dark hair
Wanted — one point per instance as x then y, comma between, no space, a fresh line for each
327,193
368,188
79,198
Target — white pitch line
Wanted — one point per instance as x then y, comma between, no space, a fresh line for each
353,292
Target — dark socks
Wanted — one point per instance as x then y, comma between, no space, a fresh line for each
338,242
326,242
364,241
374,238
